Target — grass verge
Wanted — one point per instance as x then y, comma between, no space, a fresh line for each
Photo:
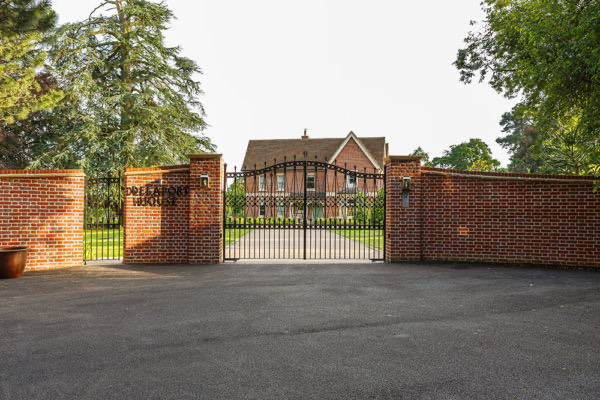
107,244
231,235
373,238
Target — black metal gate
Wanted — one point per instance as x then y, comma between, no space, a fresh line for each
304,209
103,218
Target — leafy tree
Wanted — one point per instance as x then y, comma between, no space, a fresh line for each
546,52
565,149
22,141
522,142
424,155
378,211
20,92
360,206
236,198
130,99
26,16
22,23
467,156
24,91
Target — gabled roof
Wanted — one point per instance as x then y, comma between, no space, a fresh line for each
352,136
260,151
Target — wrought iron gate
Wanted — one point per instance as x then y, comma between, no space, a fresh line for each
103,218
304,209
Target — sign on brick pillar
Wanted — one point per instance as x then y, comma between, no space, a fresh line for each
403,209
206,209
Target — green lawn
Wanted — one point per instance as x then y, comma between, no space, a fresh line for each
103,243
373,238
231,235
109,243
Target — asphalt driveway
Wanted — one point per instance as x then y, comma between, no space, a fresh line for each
300,331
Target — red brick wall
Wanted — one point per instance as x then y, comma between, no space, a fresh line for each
190,231
403,234
153,233
43,209
492,217
206,210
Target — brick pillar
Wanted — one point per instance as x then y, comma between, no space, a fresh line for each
206,210
403,221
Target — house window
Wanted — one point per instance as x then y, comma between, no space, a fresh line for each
261,209
281,182
351,180
261,182
280,209
310,182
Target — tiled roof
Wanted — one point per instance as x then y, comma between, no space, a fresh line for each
261,151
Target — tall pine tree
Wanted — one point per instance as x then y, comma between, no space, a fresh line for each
22,23
130,99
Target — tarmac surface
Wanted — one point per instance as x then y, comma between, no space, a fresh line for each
300,331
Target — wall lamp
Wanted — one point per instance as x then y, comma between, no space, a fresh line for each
406,183
204,181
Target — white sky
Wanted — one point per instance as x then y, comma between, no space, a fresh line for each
379,68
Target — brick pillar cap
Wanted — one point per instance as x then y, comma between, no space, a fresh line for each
401,158
206,155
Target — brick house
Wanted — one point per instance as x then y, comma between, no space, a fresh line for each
278,192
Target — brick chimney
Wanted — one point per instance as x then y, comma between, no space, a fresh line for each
305,136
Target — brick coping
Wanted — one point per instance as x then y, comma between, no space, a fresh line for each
157,170
208,156
509,176
389,159
41,173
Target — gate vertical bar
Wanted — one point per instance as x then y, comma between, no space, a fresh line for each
224,208
305,164
384,211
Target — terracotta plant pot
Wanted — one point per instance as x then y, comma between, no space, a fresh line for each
12,261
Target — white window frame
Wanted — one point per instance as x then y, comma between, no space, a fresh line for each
262,209
280,209
350,185
281,187
314,182
262,184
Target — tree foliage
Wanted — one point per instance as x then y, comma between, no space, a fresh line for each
522,141
130,99
22,23
26,16
423,154
24,140
236,198
565,149
546,53
378,212
20,92
471,155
